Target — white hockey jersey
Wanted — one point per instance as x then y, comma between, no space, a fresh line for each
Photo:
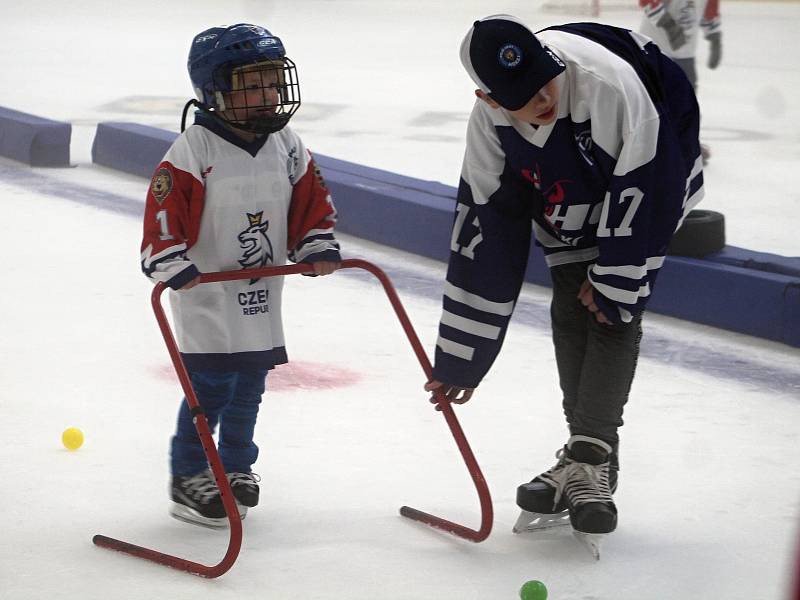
217,203
691,15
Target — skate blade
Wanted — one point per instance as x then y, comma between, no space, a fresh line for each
592,541
530,521
187,515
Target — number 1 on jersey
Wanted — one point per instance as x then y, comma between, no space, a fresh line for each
161,217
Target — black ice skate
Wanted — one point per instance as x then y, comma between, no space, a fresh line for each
196,500
245,489
584,483
537,498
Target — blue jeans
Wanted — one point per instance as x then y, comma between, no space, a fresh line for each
231,399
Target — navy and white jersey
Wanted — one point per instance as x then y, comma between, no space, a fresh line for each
608,183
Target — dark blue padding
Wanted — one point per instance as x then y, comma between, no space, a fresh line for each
433,188
131,147
735,289
34,140
390,209
761,261
749,301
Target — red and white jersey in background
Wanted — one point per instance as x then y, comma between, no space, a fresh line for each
218,204
691,15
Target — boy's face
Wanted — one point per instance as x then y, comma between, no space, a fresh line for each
255,91
542,109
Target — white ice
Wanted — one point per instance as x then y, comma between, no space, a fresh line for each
708,497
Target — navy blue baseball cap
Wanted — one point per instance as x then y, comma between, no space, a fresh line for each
505,60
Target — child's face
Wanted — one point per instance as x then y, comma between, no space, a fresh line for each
542,109
255,91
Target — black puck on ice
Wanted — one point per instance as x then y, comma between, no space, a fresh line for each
702,232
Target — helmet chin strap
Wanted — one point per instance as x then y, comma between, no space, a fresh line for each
220,99
265,124
269,123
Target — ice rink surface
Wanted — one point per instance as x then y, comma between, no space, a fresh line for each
709,488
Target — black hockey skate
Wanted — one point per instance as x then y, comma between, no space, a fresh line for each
584,483
575,491
196,499
537,498
245,489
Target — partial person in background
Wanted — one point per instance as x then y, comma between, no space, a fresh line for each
675,26
236,190
589,135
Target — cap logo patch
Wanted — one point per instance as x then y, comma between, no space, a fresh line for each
509,56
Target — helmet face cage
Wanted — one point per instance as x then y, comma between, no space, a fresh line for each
258,97
242,76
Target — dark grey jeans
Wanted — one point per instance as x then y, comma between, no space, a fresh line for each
596,362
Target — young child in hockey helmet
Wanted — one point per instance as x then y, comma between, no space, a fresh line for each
241,75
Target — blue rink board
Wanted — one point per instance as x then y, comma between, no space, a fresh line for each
735,289
34,140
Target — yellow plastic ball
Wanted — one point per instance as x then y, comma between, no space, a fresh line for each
72,438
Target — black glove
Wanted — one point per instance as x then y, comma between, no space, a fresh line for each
674,31
715,53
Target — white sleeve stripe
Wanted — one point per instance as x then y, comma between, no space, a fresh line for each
147,259
623,296
630,271
313,248
454,348
314,232
456,294
172,270
697,168
693,201
470,326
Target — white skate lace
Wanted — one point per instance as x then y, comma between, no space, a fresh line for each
201,487
553,475
586,483
245,479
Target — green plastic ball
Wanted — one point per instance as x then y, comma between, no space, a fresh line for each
533,590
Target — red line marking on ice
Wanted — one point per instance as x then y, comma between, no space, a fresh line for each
295,375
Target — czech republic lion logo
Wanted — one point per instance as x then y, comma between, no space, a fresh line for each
255,244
